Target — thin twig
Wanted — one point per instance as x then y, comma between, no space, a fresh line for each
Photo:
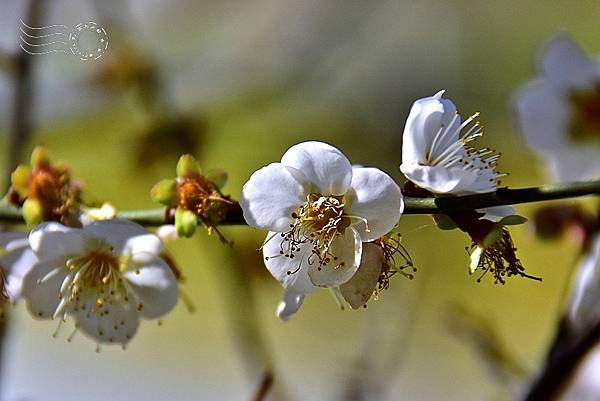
264,386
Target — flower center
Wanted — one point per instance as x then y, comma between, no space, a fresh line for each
94,282
317,222
586,120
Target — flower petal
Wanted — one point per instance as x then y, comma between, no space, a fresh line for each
17,265
271,195
292,273
426,118
375,197
496,213
346,251
543,116
323,165
54,241
289,305
585,299
41,288
565,65
576,163
439,179
155,288
126,237
118,324
360,287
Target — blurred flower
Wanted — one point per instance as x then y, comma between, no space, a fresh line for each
45,191
106,276
16,259
584,307
194,196
319,211
437,159
559,112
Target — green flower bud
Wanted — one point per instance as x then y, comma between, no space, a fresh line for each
187,166
19,180
165,192
32,212
39,156
185,222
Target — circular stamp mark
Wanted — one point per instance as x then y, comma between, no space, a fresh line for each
88,41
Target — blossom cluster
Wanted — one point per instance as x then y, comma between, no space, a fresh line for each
330,224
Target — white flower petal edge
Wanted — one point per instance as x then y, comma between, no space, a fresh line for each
106,276
324,166
292,273
585,299
542,115
565,65
16,260
289,305
271,195
377,199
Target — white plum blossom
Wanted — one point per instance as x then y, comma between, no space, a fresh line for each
16,259
435,151
318,211
558,113
106,276
437,156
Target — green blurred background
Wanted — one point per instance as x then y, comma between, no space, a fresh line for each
236,84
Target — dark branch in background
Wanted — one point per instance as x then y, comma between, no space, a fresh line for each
20,131
564,357
264,386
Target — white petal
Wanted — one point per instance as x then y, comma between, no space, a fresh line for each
576,163
43,297
292,273
360,287
438,179
543,116
126,237
271,195
323,165
565,65
155,288
13,237
346,251
167,232
585,299
54,241
475,258
427,116
289,305
17,264
496,213
374,196
119,325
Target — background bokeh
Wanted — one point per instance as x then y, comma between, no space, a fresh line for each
237,83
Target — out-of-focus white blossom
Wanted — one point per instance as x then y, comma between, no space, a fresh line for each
558,113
